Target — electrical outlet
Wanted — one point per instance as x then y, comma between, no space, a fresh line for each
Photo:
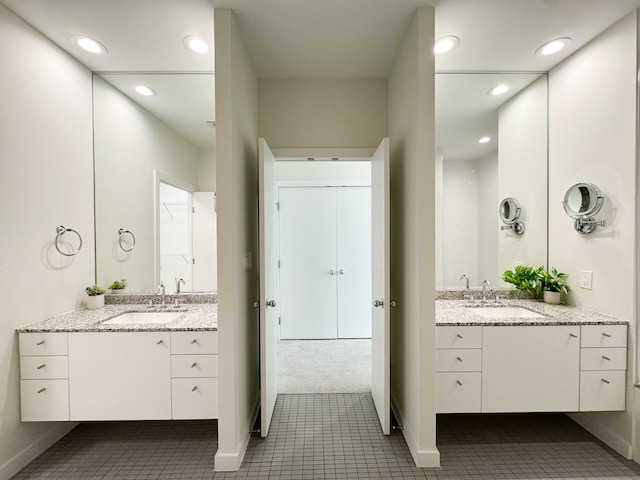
586,279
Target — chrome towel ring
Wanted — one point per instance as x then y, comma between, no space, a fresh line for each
121,236
61,230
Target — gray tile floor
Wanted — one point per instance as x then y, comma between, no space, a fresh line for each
335,436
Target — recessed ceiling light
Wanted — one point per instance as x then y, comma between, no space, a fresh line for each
89,44
445,44
499,89
484,140
196,44
146,91
554,46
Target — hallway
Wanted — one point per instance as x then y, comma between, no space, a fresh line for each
335,436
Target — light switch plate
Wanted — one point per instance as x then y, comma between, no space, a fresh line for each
586,279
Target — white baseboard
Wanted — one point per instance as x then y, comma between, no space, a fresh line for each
604,433
429,458
232,461
26,456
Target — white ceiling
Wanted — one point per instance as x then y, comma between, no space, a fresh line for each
321,38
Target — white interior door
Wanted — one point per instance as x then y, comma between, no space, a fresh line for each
308,270
380,346
268,285
205,260
354,261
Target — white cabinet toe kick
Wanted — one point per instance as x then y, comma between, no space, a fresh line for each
559,368
79,376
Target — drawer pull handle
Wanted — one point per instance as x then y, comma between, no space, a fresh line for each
194,365
573,335
194,341
606,334
40,367
459,336
459,382
159,342
41,342
605,357
605,380
42,390
194,388
458,359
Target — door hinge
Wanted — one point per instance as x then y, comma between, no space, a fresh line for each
278,206
193,209
193,261
278,263
279,320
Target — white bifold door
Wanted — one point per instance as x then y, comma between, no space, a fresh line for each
325,262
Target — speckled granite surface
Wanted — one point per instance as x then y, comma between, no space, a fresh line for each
144,298
198,316
457,312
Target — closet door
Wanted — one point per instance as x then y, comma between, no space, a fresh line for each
308,277
354,261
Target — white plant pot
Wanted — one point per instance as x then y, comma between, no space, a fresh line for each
95,301
553,298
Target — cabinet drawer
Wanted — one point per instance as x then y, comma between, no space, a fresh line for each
194,342
604,336
194,365
458,392
43,343
195,398
459,360
44,400
603,359
602,390
44,367
458,337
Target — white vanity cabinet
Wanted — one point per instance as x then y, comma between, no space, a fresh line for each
531,369
603,364
119,376
458,369
194,375
44,373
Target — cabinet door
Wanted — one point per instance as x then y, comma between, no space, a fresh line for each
530,369
44,400
119,376
458,392
195,398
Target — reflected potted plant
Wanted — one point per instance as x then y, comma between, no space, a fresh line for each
555,284
95,297
118,286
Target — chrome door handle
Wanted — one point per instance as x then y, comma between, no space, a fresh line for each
341,271
379,303
332,272
271,303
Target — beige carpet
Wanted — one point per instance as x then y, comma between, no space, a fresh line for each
324,366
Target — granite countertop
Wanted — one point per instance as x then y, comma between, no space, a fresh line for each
457,312
192,317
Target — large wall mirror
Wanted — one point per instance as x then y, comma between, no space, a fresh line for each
155,180
490,146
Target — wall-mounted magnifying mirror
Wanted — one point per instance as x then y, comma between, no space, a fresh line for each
581,202
510,215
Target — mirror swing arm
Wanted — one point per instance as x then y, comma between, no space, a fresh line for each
581,202
509,212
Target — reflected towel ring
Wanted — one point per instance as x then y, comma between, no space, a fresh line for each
121,233
61,230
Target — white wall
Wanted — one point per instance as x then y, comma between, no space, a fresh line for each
488,228
46,179
207,170
522,158
130,144
236,154
412,145
330,113
592,138
328,173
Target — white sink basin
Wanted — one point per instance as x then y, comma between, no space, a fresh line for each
505,312
138,318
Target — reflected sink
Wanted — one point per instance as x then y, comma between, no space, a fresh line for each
505,312
139,318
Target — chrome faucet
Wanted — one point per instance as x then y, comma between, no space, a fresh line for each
464,275
178,282
485,285
161,290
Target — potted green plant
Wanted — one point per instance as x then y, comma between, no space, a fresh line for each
555,284
95,297
118,286
526,279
